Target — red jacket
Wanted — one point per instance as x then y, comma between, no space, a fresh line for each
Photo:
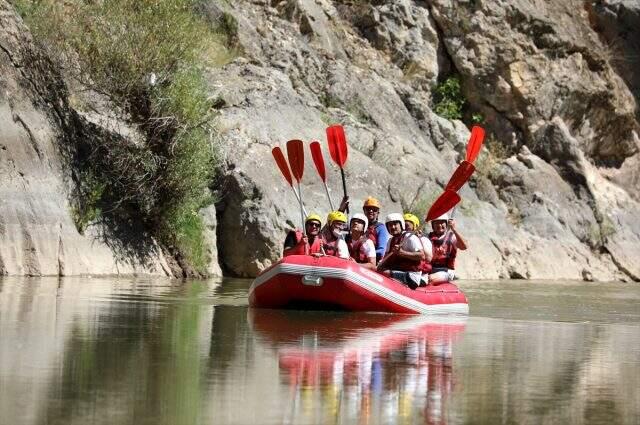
444,250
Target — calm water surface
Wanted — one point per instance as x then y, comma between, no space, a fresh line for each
106,351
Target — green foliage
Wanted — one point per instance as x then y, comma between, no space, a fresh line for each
448,99
116,48
87,208
477,118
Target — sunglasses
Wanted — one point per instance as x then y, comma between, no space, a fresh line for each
370,209
313,224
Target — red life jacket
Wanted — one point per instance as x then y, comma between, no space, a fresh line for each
299,249
396,262
372,233
425,266
444,250
355,249
330,248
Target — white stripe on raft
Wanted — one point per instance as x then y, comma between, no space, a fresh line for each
353,277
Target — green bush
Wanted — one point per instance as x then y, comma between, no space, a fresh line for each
116,48
448,99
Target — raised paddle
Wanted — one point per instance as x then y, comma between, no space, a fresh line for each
475,143
284,169
318,160
444,203
295,153
460,176
338,151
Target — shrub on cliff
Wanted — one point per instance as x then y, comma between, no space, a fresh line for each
145,57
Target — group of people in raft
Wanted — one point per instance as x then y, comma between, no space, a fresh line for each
396,248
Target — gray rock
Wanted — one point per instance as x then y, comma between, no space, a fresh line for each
37,234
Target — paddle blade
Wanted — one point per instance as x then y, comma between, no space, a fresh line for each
444,203
460,176
475,143
282,164
337,144
295,152
318,160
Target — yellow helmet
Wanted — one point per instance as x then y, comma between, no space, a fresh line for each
336,216
312,217
412,219
371,202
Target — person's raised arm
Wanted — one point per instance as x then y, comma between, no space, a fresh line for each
460,242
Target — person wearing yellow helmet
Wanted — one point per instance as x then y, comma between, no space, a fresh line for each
333,242
310,242
376,231
412,224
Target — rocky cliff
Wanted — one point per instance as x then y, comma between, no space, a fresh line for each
38,131
555,196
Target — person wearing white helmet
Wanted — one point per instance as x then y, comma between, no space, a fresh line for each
361,248
445,248
404,253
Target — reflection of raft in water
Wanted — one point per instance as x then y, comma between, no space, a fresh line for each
362,360
307,282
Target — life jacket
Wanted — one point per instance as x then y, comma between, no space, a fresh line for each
425,266
330,247
444,250
400,263
372,232
299,249
355,249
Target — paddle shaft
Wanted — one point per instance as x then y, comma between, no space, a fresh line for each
344,186
326,189
295,193
304,230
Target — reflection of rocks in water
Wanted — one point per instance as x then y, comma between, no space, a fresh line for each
363,367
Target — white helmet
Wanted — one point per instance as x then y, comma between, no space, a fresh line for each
394,217
444,216
361,217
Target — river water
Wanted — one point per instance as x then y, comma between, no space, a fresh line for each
122,351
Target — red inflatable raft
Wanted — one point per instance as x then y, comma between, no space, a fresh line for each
331,283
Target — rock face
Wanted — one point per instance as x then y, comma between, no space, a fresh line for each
556,194
37,125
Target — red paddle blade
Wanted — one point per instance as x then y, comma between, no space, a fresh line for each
475,143
282,164
318,160
337,144
460,176
444,203
295,152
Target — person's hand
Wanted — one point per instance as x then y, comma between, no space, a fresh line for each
304,240
452,224
395,249
344,204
